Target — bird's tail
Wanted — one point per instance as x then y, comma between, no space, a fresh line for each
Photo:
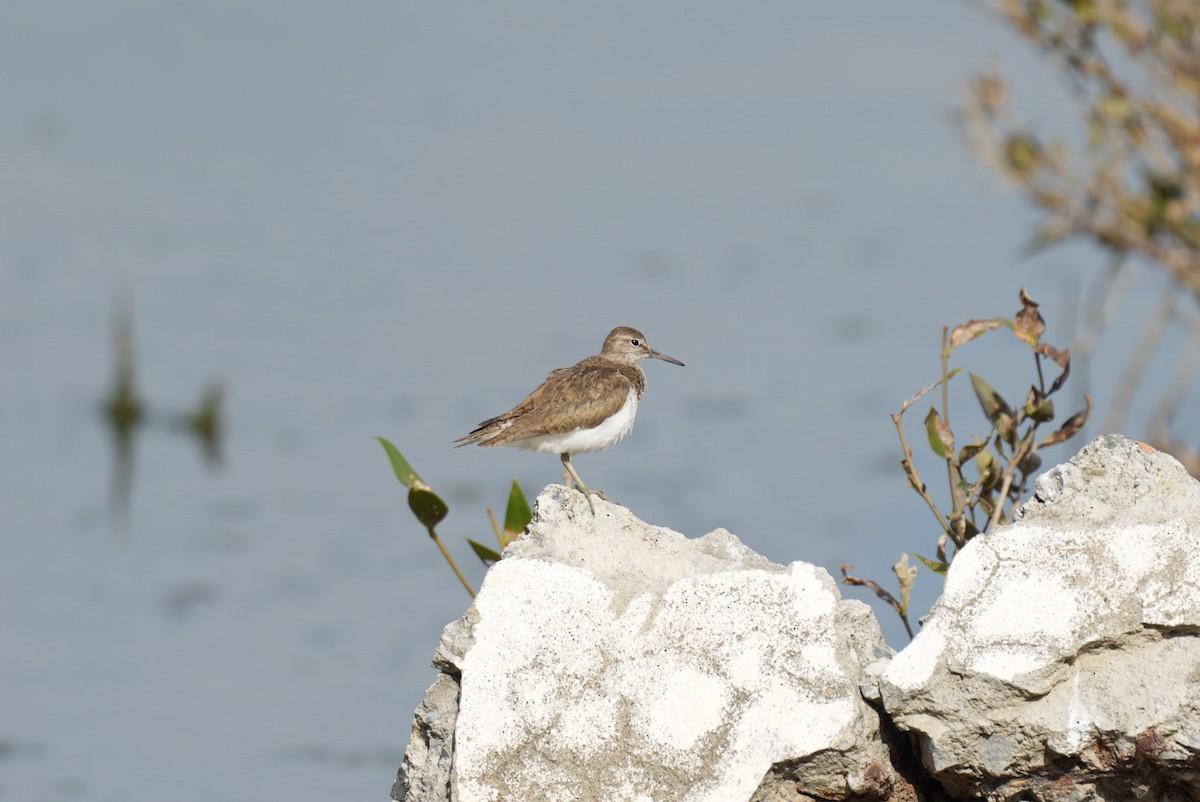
482,433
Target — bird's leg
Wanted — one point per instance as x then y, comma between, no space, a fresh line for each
566,461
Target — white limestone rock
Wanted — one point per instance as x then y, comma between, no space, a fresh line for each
605,659
1063,660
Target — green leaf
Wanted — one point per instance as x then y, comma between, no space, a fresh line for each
1030,464
992,402
1045,412
518,515
404,472
1023,153
936,566
1038,407
427,506
487,555
941,439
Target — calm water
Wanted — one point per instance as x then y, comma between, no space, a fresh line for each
395,219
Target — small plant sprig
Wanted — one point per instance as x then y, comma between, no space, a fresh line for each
431,510
905,574
1004,461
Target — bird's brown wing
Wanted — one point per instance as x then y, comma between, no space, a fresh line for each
570,398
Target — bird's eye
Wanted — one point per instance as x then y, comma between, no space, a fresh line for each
635,343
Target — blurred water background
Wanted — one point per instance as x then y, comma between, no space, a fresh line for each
393,219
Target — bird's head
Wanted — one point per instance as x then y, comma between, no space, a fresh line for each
629,346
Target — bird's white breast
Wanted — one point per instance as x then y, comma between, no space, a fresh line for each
581,441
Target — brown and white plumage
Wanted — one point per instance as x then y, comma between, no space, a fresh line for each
586,407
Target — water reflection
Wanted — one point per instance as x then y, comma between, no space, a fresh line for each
125,412
204,424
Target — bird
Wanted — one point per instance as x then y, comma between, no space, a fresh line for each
586,407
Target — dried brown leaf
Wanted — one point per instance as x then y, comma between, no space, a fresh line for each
1061,358
906,574
1028,324
1070,427
972,329
967,453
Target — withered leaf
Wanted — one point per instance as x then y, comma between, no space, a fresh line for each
972,329
1070,427
906,574
968,452
1061,358
1028,324
1062,377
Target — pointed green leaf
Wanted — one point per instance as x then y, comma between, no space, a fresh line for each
518,515
400,466
485,554
992,402
427,506
933,565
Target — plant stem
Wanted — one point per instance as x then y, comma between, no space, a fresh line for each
1005,484
916,482
449,559
953,474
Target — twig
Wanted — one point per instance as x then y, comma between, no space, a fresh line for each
880,592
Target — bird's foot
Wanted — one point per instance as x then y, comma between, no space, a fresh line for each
588,493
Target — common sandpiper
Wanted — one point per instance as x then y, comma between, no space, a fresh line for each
586,407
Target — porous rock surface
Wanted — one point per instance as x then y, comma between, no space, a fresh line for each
1062,661
605,659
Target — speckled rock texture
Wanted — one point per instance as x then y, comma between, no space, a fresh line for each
1063,660
605,660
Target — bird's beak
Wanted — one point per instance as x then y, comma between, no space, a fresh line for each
656,355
